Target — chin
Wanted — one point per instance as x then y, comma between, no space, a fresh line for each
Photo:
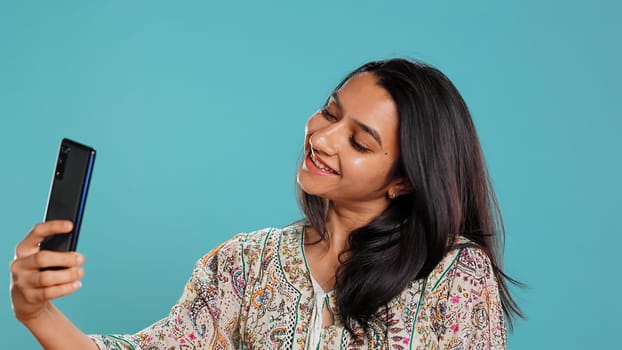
305,183
303,187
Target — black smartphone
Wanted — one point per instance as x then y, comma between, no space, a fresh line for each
68,191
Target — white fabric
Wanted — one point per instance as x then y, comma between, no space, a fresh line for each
315,328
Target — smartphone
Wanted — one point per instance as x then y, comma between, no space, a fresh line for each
68,191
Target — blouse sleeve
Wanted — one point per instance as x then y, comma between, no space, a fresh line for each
207,314
473,315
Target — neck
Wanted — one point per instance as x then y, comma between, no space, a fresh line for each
343,219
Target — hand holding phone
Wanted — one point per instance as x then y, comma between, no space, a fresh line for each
34,284
43,269
68,192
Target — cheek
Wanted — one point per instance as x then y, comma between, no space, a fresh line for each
367,168
358,162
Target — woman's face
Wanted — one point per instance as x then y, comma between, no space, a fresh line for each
352,144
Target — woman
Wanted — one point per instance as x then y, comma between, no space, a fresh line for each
399,247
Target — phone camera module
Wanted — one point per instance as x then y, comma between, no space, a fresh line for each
60,165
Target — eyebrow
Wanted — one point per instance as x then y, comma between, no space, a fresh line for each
371,131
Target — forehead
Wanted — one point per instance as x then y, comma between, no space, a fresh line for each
363,99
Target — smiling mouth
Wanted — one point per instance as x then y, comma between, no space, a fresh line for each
320,165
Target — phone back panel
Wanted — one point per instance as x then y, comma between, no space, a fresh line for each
68,192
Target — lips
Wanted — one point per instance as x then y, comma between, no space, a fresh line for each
316,163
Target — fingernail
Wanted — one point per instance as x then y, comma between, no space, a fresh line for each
79,259
68,225
78,284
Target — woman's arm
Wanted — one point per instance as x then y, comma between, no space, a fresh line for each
207,314
32,289
55,331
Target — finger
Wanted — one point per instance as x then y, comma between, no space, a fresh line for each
30,244
48,258
51,278
39,295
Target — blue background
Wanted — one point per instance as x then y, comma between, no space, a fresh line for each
197,111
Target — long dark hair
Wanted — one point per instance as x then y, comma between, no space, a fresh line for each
441,157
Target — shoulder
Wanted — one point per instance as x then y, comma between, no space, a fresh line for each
465,261
265,240
473,266
247,247
465,266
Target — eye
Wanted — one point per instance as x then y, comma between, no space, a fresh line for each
357,146
328,115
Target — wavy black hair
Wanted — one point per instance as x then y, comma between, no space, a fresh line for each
452,195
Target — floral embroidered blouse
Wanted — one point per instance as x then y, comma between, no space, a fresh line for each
255,291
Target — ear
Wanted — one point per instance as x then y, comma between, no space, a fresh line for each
399,187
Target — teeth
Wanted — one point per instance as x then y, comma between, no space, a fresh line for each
320,165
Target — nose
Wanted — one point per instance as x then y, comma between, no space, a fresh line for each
327,139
